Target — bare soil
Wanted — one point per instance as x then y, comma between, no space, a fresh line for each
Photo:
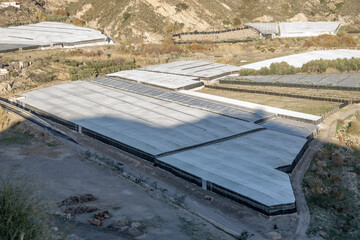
295,104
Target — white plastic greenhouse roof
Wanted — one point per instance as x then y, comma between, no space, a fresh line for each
200,69
151,125
307,29
169,81
49,33
245,165
297,60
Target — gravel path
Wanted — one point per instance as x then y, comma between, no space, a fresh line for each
326,135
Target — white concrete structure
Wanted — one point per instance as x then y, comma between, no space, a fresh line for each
199,69
307,29
9,4
257,107
50,34
297,60
265,29
169,81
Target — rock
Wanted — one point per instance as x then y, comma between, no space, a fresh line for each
73,237
209,198
77,199
80,209
68,216
265,18
275,235
55,229
124,229
121,222
323,234
136,225
134,232
300,17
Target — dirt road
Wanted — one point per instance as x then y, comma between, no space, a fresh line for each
327,133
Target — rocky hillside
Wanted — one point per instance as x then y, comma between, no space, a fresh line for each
152,20
28,13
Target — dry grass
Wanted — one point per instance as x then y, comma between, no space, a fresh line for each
22,216
294,104
324,93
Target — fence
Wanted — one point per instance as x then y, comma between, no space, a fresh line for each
282,94
234,39
211,32
292,85
205,41
334,110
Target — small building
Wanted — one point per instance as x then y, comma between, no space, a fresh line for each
4,74
9,4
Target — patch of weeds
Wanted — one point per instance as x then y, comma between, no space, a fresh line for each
244,235
154,185
139,179
22,213
179,199
11,140
52,144
187,226
108,161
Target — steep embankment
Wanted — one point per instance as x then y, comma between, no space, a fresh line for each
152,20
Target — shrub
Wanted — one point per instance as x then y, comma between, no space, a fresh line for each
55,18
248,72
282,68
331,41
236,22
354,128
21,214
338,161
78,22
315,66
181,7
61,12
126,16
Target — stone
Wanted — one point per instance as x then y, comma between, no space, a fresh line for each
135,225
134,232
121,222
73,237
275,235
55,229
209,198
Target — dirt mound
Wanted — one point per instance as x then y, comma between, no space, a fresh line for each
77,199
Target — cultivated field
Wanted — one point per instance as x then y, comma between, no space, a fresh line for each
294,104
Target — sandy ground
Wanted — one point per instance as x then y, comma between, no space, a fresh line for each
60,171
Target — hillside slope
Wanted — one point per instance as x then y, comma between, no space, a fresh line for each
152,20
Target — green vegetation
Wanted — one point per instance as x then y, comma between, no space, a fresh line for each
331,41
55,18
126,16
314,66
22,215
330,187
181,7
88,70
